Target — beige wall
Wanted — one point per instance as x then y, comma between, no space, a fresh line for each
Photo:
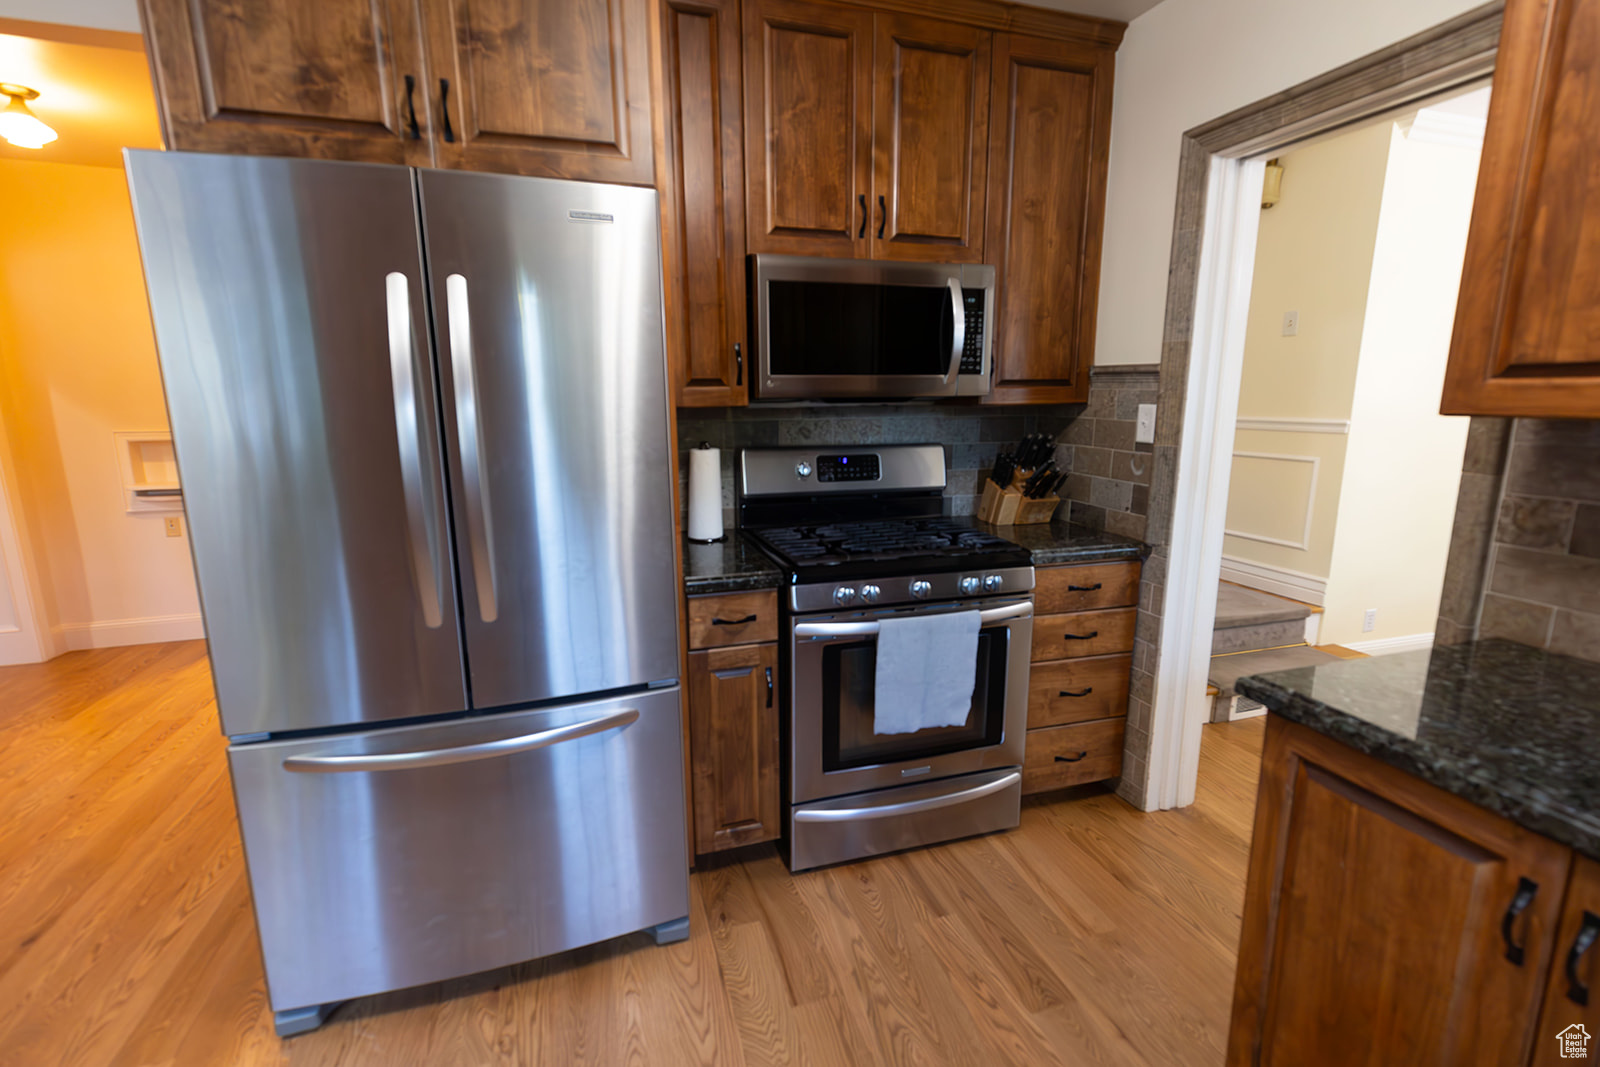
1314,256
1402,464
77,364
1185,62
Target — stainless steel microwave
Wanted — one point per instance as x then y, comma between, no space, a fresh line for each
830,329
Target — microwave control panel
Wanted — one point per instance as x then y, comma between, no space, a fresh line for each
972,349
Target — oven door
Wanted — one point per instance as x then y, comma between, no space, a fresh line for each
832,679
861,328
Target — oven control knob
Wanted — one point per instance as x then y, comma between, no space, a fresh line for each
843,595
803,469
969,585
992,583
921,588
869,593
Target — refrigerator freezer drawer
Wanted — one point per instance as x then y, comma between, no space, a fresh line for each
390,858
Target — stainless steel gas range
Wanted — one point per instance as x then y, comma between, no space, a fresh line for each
862,539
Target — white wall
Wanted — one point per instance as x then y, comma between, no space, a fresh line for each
1402,463
1186,62
120,15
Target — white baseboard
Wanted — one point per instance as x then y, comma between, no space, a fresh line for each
1384,646
77,636
1314,628
1281,581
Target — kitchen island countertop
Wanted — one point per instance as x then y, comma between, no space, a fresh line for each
1513,729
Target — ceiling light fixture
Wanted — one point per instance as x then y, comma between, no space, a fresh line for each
18,125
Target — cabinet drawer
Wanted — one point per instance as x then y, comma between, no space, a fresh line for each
1083,633
1086,588
1059,756
1077,690
733,619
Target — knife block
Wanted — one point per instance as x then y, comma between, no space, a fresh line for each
1008,507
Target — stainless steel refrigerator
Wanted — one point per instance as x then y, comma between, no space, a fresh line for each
420,419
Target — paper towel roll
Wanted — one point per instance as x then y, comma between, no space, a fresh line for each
705,494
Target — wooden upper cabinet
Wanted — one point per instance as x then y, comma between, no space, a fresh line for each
1385,920
323,78
930,141
556,88
701,178
1049,137
808,127
1527,331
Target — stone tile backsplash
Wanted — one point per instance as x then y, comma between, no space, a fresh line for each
1535,535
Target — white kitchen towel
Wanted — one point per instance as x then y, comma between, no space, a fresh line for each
925,672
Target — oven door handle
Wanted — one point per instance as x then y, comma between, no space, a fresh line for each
910,807
868,629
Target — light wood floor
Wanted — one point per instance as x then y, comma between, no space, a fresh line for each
1094,934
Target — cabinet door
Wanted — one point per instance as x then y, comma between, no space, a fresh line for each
1385,920
702,201
808,124
930,141
733,745
330,79
1050,130
1527,332
555,88
1572,998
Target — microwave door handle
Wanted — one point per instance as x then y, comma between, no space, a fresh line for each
867,629
957,334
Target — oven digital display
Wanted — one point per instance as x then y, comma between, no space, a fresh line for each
860,467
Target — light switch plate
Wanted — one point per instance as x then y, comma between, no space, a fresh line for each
1144,427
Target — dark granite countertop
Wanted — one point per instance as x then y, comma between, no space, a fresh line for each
1510,728
731,566
1063,542
736,565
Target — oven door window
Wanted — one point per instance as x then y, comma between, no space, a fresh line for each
834,328
849,676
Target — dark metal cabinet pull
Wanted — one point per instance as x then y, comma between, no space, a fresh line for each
732,622
444,106
883,216
861,198
738,364
1577,992
1527,889
1090,636
1084,588
1079,693
1072,759
411,108
769,687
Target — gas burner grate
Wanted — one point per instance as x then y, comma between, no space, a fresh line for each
880,539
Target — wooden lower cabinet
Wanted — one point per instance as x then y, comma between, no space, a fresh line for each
1572,995
1079,678
733,744
1387,921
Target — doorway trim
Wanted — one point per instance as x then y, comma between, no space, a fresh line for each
1208,288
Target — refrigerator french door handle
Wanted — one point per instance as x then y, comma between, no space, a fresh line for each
480,529
958,333
867,629
438,757
403,376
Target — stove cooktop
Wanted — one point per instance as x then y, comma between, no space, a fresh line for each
885,546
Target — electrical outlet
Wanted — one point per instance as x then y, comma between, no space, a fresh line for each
1369,620
174,526
1291,323
1144,426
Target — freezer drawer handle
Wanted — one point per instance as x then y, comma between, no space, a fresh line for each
403,376
480,525
438,757
867,629
910,807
